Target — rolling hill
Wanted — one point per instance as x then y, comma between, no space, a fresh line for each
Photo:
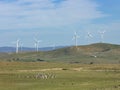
87,54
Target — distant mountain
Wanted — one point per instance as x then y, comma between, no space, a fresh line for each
27,49
7,49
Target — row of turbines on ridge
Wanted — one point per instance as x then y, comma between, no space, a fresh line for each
89,36
75,38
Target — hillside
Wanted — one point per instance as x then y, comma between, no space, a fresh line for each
94,53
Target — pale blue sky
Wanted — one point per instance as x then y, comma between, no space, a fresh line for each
54,21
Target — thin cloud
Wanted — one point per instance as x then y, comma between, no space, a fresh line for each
46,13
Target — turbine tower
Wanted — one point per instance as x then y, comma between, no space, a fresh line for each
37,44
75,37
89,36
17,45
102,35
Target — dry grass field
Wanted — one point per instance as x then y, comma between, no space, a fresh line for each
90,67
58,76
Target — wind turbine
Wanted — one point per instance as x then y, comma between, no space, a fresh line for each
21,46
17,45
75,37
37,44
102,35
89,36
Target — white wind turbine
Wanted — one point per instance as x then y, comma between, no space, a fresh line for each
75,37
89,36
37,44
17,45
102,35
21,46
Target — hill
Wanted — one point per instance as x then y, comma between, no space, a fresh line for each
87,54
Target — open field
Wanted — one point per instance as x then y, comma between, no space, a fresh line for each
58,76
90,67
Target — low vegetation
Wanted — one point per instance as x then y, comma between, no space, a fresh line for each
58,76
90,54
92,67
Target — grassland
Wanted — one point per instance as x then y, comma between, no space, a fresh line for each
21,76
91,67
95,53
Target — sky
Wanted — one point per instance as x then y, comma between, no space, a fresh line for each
53,22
